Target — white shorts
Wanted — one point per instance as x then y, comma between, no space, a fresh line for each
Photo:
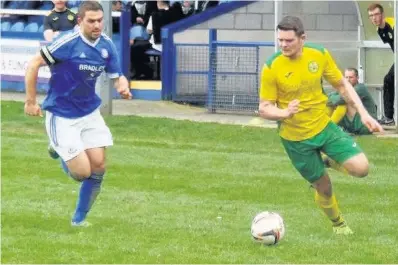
70,137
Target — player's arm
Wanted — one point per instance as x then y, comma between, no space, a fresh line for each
32,72
268,96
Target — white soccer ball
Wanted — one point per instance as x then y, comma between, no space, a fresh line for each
268,228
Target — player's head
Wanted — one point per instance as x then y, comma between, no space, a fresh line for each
351,74
376,14
291,36
91,19
59,4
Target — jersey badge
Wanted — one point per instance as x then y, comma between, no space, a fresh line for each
104,53
313,67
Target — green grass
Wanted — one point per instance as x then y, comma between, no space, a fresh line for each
166,184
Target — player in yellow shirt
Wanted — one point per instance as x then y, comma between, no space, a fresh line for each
291,92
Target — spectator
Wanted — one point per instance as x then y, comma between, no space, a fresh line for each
188,8
140,44
203,5
345,115
141,11
116,6
385,29
165,15
60,19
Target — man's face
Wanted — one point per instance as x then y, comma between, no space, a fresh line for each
59,4
289,43
351,77
376,17
92,24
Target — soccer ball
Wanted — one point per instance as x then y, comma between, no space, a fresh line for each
268,228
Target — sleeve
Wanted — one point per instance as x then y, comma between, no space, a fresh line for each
268,87
362,91
46,23
59,50
331,72
113,66
74,18
334,99
391,21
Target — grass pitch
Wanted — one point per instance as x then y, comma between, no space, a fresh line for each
185,192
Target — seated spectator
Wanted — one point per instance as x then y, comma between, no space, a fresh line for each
188,8
60,19
140,44
204,5
164,16
345,115
141,11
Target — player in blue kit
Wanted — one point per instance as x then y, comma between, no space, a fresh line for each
75,127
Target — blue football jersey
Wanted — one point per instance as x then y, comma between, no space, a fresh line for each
75,64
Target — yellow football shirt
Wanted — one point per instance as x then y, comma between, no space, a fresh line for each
284,79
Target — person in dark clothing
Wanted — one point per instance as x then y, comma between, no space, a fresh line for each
385,29
116,6
141,11
60,19
163,16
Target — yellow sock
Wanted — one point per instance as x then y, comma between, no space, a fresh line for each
330,208
338,113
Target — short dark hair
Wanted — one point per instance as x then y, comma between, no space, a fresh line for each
292,23
89,6
374,6
353,69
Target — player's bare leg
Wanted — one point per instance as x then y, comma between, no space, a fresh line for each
326,200
357,166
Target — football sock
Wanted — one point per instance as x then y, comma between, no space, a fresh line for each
330,208
89,191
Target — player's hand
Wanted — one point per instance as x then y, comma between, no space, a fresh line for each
371,123
293,107
125,93
32,109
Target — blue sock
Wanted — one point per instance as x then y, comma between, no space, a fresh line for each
89,191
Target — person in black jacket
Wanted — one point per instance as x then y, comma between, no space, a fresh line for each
163,16
141,11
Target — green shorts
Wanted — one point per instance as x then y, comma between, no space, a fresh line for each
355,126
306,155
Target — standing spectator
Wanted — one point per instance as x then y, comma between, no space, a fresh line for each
60,19
385,29
116,6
